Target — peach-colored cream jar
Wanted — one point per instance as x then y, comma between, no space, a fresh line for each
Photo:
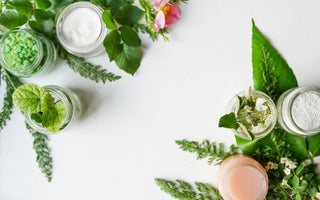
242,178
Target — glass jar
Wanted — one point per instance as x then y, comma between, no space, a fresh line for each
299,111
270,122
25,53
69,99
242,177
77,39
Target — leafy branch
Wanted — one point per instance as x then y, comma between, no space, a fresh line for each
184,191
215,153
86,69
40,145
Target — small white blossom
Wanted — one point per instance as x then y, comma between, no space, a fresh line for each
318,195
259,104
292,165
271,165
284,160
287,171
284,182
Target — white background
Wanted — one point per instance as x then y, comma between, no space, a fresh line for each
126,136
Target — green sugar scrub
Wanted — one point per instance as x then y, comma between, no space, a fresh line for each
25,53
20,50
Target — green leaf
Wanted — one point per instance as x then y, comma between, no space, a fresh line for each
271,73
108,20
36,26
295,182
42,15
112,44
229,121
298,146
12,19
24,7
314,145
129,59
112,4
43,4
249,147
128,15
129,36
28,98
37,117
53,115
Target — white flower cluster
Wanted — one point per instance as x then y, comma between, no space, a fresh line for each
271,166
318,195
289,165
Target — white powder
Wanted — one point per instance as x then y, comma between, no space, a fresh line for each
81,27
306,110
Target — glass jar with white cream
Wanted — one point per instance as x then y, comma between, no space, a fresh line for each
81,30
299,111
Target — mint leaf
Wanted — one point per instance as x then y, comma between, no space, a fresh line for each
229,121
271,73
42,15
43,4
22,6
112,44
108,20
36,26
12,19
28,98
129,59
53,115
314,144
129,36
298,145
37,117
128,15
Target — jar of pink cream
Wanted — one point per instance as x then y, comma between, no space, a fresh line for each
242,178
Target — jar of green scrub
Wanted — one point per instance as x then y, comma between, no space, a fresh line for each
69,99
25,53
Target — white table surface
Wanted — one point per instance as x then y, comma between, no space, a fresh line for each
126,136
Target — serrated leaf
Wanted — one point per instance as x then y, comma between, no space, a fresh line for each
295,182
129,36
314,144
28,98
112,44
271,73
36,26
43,4
52,115
24,7
12,19
229,121
42,15
108,20
128,15
129,59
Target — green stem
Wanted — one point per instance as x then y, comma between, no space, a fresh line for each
149,18
8,77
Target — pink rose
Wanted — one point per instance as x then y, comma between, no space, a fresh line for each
167,14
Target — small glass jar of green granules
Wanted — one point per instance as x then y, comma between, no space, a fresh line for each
25,53
69,99
255,112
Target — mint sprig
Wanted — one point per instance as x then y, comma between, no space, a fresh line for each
34,99
229,121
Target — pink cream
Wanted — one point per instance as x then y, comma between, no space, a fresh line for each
242,178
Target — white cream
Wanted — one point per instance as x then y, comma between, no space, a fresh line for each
81,27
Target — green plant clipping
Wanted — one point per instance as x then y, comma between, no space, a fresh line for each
12,19
28,98
229,121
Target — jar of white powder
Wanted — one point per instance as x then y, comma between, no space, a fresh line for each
81,30
299,111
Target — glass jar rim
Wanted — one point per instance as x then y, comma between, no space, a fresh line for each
35,63
60,92
69,46
255,93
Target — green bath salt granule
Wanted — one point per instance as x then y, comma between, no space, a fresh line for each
20,50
